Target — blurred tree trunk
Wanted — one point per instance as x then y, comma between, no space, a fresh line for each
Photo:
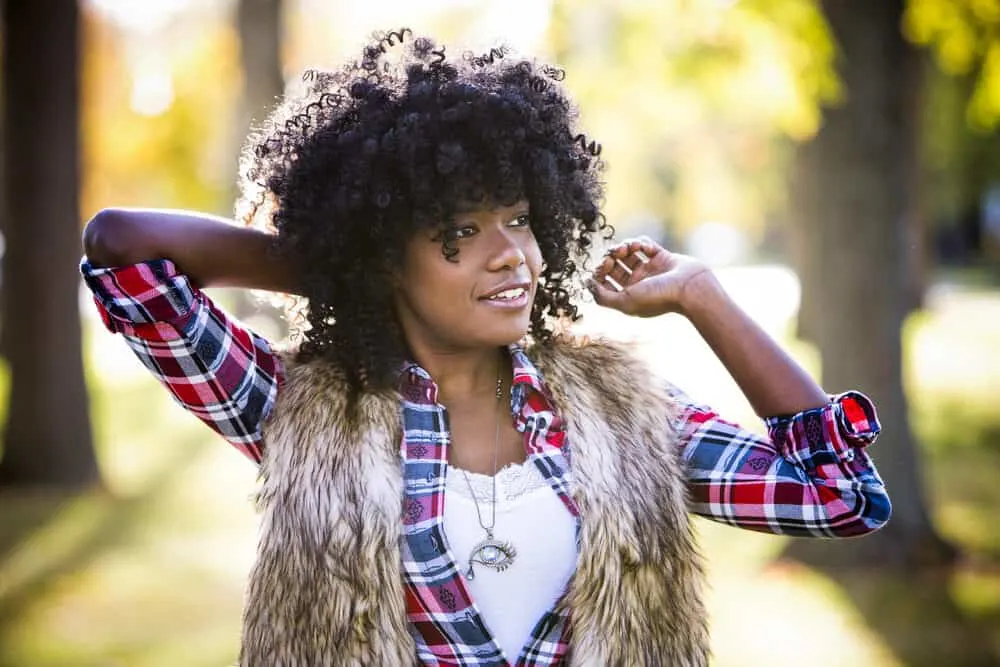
260,27
853,190
47,440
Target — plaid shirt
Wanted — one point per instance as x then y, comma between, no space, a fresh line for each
447,625
810,476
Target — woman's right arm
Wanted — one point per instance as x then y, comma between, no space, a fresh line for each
145,269
209,250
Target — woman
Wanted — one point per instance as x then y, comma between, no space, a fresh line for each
446,480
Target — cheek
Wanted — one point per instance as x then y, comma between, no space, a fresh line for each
533,257
432,285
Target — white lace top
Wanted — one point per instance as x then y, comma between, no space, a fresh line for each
530,516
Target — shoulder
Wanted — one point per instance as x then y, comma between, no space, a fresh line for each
318,417
587,359
311,375
321,385
600,373
301,376
315,393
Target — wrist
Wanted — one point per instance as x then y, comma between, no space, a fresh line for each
702,295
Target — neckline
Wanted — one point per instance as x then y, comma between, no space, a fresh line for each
458,469
513,481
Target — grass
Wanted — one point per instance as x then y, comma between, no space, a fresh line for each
149,572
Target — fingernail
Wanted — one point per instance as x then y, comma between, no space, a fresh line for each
614,283
624,266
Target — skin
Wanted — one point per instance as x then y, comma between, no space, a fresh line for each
211,251
455,336
663,282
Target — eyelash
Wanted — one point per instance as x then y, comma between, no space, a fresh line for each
454,233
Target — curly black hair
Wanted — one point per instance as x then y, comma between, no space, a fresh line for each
347,171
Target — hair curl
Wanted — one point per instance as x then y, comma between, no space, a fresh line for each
347,171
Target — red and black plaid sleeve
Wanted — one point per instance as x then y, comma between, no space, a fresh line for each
809,477
221,372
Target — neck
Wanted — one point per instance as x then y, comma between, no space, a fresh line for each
463,374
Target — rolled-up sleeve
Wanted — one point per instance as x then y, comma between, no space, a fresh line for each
149,293
810,476
217,369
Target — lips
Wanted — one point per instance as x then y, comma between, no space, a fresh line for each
507,292
508,295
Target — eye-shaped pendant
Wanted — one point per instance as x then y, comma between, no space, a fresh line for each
493,554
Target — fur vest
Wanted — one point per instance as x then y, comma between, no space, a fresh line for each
327,589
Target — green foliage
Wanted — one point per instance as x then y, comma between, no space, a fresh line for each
965,38
182,155
698,104
695,101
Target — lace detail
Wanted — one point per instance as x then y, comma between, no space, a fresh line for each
513,481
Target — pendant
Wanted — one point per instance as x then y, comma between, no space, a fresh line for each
492,553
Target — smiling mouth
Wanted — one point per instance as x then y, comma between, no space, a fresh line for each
512,294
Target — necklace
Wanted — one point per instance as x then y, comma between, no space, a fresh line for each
490,552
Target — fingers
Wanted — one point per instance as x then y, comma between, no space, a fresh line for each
607,296
618,267
625,263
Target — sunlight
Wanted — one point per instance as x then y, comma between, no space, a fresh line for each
318,32
140,16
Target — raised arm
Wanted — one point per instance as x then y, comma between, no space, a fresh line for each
145,269
656,281
811,475
209,250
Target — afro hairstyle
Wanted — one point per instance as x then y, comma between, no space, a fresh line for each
347,170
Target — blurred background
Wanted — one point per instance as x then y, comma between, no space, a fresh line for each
837,161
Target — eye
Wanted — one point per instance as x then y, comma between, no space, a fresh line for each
492,553
463,231
455,233
523,220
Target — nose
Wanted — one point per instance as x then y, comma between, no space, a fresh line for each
507,252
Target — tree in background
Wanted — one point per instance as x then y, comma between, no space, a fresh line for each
730,84
712,93
259,23
856,197
963,118
260,27
47,440
852,188
739,85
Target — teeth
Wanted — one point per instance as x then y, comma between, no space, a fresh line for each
508,294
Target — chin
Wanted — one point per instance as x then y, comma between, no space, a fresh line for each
508,335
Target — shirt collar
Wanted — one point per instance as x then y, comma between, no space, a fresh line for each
415,383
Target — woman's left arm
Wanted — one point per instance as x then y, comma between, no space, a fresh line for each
811,476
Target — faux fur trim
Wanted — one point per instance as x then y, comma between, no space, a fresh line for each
636,594
326,587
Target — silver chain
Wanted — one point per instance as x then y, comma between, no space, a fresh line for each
496,448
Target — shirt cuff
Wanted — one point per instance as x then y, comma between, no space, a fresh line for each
841,427
145,293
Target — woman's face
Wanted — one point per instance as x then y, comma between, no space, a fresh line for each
481,299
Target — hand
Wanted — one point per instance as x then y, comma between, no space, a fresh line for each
652,279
